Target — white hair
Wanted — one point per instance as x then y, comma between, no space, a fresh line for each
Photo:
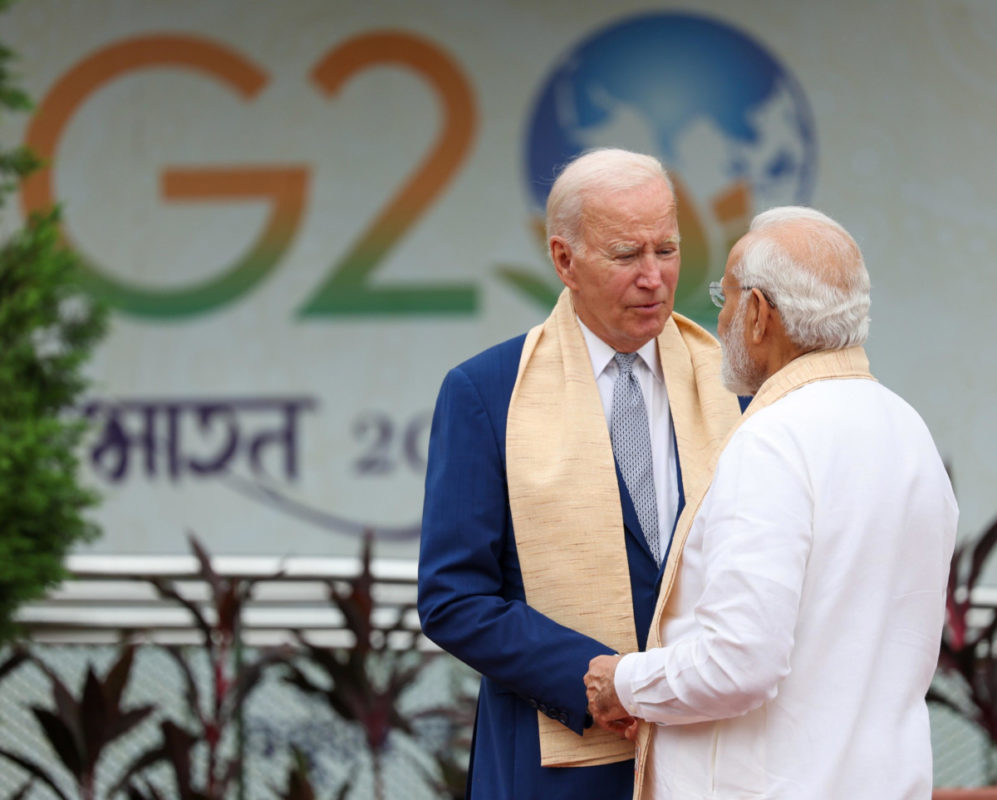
821,288
601,170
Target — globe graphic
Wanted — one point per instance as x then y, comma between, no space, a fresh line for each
730,123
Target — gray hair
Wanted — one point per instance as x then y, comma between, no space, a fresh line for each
603,169
819,282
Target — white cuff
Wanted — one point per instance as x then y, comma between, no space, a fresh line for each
623,681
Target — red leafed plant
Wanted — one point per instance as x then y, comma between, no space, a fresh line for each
364,684
80,730
351,691
219,711
298,783
969,641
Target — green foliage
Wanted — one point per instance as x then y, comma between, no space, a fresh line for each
48,329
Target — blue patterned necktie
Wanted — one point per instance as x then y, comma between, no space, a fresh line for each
631,437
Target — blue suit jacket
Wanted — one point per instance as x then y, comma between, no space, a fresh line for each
472,603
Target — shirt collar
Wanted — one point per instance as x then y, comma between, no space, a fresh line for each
602,354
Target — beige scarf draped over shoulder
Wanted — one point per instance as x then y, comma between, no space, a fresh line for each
565,499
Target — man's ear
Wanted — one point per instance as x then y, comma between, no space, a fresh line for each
759,316
562,256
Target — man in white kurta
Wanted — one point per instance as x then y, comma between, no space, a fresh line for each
797,638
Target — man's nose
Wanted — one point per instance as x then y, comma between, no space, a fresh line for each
650,275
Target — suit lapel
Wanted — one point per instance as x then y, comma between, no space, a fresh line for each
678,510
631,523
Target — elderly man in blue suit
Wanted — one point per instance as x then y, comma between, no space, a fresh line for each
558,463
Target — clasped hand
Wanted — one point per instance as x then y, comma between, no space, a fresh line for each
604,704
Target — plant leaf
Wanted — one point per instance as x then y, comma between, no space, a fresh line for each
980,553
16,658
125,721
168,591
66,706
150,793
228,606
177,744
191,693
21,793
207,571
117,677
62,740
34,769
94,716
251,674
149,758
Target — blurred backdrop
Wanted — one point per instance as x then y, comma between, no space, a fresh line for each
303,213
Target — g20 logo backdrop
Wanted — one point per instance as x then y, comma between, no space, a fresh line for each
726,117
347,287
730,123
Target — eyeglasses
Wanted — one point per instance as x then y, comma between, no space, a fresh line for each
718,298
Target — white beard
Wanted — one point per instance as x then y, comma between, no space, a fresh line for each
739,375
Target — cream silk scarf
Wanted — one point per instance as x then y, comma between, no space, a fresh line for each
818,366
565,499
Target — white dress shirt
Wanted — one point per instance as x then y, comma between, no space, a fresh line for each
647,369
804,625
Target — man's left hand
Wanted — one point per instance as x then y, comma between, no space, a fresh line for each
604,704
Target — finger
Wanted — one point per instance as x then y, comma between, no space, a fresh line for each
611,725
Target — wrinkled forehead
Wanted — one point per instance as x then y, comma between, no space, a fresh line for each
648,206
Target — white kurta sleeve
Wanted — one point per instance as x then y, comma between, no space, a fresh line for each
732,635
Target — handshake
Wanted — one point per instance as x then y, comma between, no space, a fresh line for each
604,704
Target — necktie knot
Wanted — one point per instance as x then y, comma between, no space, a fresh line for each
625,362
